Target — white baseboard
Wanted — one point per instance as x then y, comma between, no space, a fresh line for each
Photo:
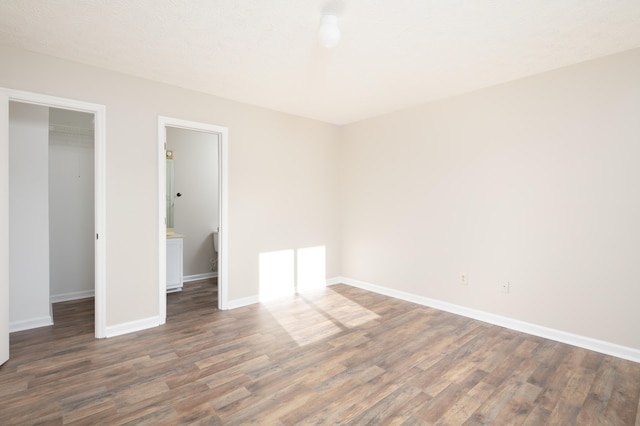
197,277
64,297
335,280
601,346
30,323
245,301
133,326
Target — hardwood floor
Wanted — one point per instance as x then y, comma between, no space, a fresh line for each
337,356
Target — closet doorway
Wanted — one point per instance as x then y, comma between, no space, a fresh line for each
25,101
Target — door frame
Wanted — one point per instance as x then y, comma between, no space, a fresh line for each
223,279
99,113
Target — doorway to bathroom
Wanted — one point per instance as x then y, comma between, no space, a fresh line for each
192,201
192,195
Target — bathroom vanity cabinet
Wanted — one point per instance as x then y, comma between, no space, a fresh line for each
174,262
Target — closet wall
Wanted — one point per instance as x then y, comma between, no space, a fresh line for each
71,210
29,305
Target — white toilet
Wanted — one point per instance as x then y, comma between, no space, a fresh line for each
214,259
214,237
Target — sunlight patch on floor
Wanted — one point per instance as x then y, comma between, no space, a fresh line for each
344,310
307,325
318,312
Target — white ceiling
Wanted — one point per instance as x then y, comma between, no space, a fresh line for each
393,54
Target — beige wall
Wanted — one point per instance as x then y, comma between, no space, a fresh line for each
282,176
532,182
535,182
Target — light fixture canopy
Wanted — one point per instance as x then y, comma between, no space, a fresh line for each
329,33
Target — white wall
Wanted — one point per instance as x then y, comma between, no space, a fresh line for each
534,182
195,161
28,216
71,199
282,176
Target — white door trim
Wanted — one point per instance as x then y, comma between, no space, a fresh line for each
99,112
223,281
4,227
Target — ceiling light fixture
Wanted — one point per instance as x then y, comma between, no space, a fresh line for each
329,33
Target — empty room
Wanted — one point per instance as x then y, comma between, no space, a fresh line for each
320,212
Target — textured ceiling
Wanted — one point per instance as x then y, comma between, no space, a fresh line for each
393,53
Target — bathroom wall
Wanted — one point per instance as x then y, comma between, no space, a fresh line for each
71,200
28,216
195,166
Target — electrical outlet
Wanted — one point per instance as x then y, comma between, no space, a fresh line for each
464,279
504,287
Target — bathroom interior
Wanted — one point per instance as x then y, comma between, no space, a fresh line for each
192,172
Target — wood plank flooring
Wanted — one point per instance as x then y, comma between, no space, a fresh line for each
340,355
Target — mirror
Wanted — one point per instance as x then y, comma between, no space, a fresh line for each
169,194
